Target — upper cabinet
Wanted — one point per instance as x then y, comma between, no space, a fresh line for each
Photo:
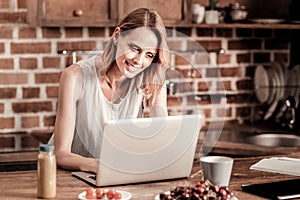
100,12
173,12
93,13
71,12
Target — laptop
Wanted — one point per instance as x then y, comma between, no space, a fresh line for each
146,149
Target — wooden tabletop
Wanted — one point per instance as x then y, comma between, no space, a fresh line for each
23,184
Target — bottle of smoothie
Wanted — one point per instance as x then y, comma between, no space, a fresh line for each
46,180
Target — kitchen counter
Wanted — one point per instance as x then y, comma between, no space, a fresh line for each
22,184
232,141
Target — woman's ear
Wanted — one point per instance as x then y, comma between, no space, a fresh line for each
116,35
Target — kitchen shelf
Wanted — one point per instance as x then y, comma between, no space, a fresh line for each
244,25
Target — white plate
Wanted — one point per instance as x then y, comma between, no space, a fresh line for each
168,192
261,82
280,72
125,195
279,68
284,67
267,21
272,84
296,73
292,82
276,91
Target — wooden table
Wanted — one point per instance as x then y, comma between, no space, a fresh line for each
22,184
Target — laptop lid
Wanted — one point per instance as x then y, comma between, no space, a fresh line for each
146,149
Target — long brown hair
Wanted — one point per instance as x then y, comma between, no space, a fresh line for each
149,18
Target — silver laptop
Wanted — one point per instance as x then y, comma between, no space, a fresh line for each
146,149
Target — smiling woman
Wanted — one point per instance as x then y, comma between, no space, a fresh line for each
134,57
113,85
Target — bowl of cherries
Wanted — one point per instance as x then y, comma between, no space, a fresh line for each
204,190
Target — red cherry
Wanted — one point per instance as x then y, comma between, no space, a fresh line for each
117,195
110,194
100,193
90,193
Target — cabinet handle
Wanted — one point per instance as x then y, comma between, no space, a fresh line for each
77,13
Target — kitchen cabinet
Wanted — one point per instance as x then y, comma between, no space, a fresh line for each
71,12
173,12
100,12
93,13
245,25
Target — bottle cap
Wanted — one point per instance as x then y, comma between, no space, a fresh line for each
47,147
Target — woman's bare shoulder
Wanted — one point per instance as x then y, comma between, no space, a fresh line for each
71,72
73,69
72,78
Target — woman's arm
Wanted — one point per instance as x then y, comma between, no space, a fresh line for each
69,94
158,103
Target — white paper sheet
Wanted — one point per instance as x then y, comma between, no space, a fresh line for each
282,165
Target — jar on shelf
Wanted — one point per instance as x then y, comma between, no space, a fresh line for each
238,12
198,12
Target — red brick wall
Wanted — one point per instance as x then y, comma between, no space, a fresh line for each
30,68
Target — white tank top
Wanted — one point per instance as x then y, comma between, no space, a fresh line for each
94,109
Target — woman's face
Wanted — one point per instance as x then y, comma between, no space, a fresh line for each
136,51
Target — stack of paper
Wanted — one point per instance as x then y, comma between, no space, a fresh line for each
282,165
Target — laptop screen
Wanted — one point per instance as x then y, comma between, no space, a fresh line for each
148,148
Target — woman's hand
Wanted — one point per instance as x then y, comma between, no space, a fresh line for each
71,161
157,99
